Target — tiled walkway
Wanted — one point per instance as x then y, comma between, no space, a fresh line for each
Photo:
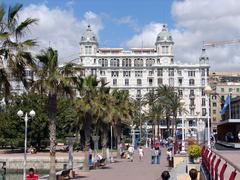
136,170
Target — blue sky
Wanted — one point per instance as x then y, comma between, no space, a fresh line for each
136,23
141,12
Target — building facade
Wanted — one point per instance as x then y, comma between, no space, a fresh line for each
220,92
139,70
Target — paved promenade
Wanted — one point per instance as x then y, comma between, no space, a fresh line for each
136,170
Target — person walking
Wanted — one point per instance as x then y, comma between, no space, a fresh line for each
157,155
193,173
152,156
141,153
169,157
131,152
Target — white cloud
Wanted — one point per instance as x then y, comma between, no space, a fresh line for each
127,20
60,28
197,21
146,37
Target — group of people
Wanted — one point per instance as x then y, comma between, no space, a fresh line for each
193,174
156,154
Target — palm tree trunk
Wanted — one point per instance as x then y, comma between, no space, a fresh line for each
167,121
104,142
87,133
52,109
158,121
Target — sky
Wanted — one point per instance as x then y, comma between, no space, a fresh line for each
136,23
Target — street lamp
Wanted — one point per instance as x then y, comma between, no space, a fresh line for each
208,91
26,118
146,130
183,133
133,134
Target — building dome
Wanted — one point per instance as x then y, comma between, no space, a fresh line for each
88,36
164,36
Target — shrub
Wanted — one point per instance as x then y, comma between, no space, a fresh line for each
194,151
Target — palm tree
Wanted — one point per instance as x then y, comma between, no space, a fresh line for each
53,80
87,88
15,51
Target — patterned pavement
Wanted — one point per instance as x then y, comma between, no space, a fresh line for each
137,170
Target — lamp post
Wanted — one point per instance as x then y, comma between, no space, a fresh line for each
208,91
133,134
183,127
26,118
146,129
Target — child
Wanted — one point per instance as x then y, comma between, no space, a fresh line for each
141,153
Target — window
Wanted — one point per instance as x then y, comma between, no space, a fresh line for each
170,72
115,73
149,62
191,102
180,92
222,89
114,82
139,82
238,90
165,50
126,82
114,62
103,62
139,92
214,111
93,72
138,73
126,62
191,82
203,102
214,104
159,72
126,73
102,73
150,73
158,61
204,112
202,72
138,62
230,90
171,82
191,92
150,81
88,49
160,81
203,82
180,81
191,73
203,92
214,118
179,72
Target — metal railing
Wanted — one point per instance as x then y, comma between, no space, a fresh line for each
216,166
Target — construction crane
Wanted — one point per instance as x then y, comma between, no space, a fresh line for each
220,43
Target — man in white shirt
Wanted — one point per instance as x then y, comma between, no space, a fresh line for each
131,152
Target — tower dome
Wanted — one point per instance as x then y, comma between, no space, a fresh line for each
89,36
164,36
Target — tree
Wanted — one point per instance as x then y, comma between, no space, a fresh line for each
13,50
53,81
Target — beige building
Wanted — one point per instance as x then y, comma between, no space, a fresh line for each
223,84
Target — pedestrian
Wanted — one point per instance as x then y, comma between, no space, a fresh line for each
141,153
158,155
31,175
153,155
165,175
131,152
169,157
193,173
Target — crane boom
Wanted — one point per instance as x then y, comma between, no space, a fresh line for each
221,43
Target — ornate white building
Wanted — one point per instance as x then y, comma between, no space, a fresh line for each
138,70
